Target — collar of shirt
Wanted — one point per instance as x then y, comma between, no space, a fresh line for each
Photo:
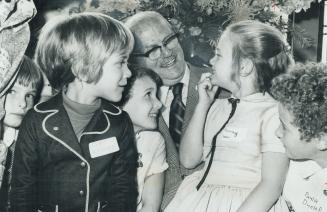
9,136
166,95
310,169
165,91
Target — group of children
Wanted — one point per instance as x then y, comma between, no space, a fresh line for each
82,149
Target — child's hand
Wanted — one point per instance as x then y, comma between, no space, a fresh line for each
206,90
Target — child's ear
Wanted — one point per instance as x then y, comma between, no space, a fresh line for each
246,68
81,78
321,144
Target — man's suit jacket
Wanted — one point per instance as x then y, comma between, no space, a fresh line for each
176,172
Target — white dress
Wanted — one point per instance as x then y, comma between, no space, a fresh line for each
151,160
236,166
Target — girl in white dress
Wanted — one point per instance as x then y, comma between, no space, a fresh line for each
141,103
245,164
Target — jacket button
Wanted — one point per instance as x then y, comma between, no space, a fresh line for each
81,193
83,164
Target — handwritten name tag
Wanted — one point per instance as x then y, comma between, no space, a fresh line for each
103,147
230,134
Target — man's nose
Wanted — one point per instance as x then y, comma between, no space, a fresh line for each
165,51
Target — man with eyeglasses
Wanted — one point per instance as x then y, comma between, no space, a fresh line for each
157,47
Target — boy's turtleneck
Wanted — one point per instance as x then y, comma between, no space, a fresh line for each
79,114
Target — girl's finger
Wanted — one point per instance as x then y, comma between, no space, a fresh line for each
205,76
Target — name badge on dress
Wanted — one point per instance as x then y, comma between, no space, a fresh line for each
103,147
233,134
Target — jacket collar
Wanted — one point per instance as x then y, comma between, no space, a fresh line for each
56,102
57,124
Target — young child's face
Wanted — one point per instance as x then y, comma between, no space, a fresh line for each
114,78
222,64
296,148
143,106
19,99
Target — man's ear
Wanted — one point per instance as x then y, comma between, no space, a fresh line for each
246,68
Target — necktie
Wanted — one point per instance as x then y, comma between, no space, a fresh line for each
176,116
233,102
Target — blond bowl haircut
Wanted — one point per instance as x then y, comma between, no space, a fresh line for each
78,45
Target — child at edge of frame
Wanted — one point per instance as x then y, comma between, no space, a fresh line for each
21,96
302,94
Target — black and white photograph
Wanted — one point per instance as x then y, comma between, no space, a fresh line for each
163,106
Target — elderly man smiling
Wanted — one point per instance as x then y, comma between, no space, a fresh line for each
157,47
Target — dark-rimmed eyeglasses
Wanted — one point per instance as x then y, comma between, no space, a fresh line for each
154,53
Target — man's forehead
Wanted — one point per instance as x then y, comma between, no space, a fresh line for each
151,35
154,26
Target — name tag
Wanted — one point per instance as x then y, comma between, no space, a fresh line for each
103,147
233,134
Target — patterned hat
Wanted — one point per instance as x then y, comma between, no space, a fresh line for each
14,38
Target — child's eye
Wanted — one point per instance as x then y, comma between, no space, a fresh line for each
217,53
123,62
148,94
30,96
11,91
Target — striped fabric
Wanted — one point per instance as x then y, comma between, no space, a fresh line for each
176,116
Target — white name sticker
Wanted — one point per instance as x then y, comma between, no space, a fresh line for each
103,147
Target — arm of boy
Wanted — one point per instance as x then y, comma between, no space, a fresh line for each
152,193
274,167
191,146
23,185
123,189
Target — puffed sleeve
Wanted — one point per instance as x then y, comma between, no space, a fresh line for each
159,163
271,122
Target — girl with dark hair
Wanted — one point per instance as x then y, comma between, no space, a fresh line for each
141,103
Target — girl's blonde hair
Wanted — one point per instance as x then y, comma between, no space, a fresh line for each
78,46
264,45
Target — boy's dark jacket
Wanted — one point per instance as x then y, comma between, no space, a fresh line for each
54,172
